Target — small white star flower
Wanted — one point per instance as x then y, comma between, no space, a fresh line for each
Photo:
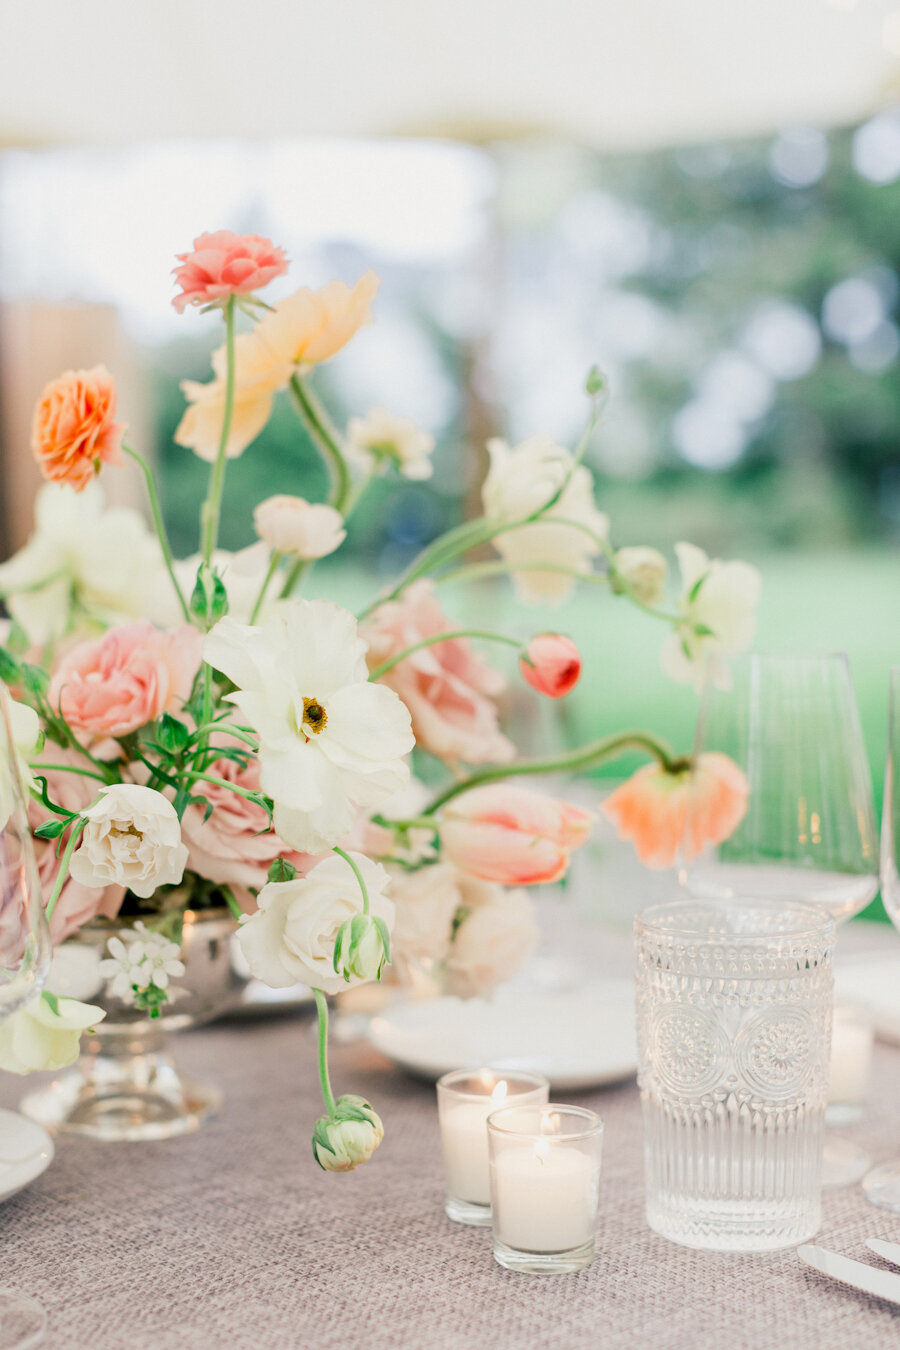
142,960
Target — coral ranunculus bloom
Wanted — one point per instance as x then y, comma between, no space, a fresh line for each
667,815
74,429
512,835
222,264
551,664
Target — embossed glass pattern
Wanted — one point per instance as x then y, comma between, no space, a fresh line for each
734,1032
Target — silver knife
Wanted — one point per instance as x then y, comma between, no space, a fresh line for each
881,1283
888,1251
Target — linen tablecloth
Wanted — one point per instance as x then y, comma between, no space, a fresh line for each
233,1238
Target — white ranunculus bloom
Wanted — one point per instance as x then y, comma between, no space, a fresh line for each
299,528
520,480
330,743
380,439
718,607
644,571
291,936
79,552
491,944
45,1034
132,838
26,734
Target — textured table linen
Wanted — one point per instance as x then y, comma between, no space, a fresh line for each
232,1237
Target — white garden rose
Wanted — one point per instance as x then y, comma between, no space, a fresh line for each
644,571
79,554
26,734
291,937
380,440
718,617
45,1034
425,902
491,944
330,742
302,529
519,482
132,838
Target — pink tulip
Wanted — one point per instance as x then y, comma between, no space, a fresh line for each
551,664
224,264
512,835
668,816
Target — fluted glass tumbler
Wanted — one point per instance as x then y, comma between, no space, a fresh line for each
734,1008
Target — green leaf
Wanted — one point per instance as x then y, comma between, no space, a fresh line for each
10,670
385,938
704,630
172,734
52,1002
695,589
36,681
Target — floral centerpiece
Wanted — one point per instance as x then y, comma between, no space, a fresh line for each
196,735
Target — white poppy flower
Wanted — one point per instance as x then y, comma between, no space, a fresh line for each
299,528
522,479
292,935
26,733
45,1034
718,607
330,743
132,838
79,552
380,439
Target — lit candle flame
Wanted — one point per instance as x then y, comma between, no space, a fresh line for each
487,1079
498,1096
541,1150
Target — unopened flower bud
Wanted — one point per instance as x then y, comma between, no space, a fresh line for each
209,601
643,571
362,948
551,664
350,1138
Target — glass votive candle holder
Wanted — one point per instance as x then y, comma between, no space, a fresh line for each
465,1100
545,1187
852,1035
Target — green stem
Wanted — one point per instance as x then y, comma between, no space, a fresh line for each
358,874
212,507
324,1080
267,580
498,567
326,440
436,638
573,761
294,576
68,768
159,525
232,904
64,866
195,775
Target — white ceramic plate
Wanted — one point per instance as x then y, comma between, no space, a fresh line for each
579,1038
26,1150
873,980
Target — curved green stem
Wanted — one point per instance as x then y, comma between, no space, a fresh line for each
159,525
436,638
196,775
64,866
267,581
212,507
324,1080
68,768
357,873
498,567
585,757
295,576
326,439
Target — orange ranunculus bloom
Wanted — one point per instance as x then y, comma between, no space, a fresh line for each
670,814
74,429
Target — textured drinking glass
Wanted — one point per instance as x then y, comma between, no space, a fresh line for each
809,834
734,1028
465,1100
545,1187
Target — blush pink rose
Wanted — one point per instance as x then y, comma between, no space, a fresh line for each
74,430
228,848
448,689
128,677
77,904
512,835
223,264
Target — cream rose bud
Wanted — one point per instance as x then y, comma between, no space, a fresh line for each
45,1034
300,528
292,936
132,838
350,1138
644,572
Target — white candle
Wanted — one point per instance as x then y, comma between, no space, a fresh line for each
465,1145
851,1056
544,1196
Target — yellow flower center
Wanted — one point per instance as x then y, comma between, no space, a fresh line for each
315,718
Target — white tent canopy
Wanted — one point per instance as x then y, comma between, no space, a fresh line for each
618,74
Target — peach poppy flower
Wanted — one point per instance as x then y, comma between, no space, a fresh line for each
74,430
672,815
512,835
222,264
312,326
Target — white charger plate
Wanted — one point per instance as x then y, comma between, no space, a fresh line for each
581,1038
26,1150
873,980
